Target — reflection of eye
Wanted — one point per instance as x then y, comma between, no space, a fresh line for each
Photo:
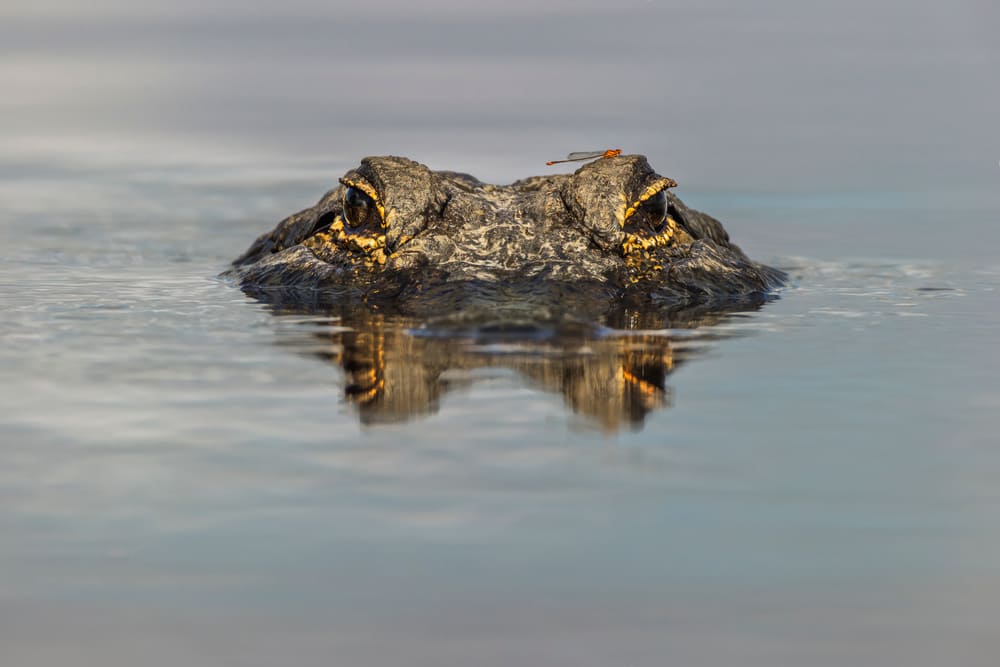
358,207
652,213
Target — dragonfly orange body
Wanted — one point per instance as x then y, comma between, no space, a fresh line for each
587,155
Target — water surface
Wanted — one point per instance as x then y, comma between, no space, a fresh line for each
189,475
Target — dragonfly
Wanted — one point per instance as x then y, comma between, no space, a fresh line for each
587,155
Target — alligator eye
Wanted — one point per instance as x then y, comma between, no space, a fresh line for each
657,207
652,214
358,207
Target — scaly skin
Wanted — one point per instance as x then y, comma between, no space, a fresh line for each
432,241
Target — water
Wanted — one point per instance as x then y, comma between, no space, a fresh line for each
189,476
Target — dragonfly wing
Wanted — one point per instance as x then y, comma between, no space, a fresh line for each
584,155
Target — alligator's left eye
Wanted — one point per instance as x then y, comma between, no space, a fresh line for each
358,207
651,214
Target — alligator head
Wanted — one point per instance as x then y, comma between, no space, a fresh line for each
396,230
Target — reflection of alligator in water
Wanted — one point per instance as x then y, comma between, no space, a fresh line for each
614,375
429,242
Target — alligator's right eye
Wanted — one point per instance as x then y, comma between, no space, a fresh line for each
358,207
653,212
651,215
656,209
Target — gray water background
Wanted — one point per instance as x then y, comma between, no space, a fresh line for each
182,479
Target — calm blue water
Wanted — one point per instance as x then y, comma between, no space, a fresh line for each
185,480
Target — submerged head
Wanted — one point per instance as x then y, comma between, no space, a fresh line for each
395,225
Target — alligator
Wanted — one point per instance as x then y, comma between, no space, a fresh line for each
395,231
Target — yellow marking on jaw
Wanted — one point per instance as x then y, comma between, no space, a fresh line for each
371,247
672,234
640,256
653,189
370,191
